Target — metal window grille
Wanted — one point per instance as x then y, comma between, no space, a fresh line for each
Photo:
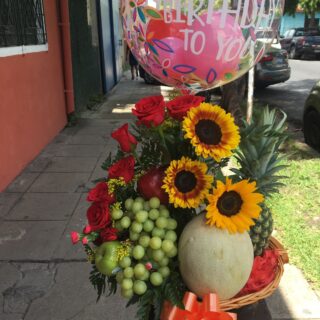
22,23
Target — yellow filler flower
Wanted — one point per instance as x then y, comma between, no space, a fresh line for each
187,183
212,131
234,206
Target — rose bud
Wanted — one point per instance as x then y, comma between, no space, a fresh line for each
75,237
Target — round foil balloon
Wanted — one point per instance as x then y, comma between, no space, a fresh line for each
196,45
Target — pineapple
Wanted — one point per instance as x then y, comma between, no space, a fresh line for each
261,231
258,157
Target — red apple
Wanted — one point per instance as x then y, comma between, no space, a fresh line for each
149,185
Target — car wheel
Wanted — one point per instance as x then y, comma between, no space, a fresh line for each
311,129
293,53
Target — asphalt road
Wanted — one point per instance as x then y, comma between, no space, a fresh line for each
291,95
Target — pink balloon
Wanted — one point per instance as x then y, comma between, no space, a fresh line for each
181,64
222,51
170,54
201,45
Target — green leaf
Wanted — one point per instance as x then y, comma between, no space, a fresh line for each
156,58
145,305
153,14
276,169
98,281
153,49
132,301
110,160
132,4
107,163
175,289
141,15
112,285
158,301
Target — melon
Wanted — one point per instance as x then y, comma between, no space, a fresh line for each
212,260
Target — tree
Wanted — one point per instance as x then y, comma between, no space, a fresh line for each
233,93
310,8
291,6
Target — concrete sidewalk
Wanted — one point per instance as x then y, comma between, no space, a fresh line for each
43,276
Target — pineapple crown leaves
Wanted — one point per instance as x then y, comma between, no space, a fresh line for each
258,153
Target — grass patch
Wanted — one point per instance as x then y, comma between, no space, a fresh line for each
296,210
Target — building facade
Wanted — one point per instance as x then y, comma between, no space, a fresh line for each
32,98
296,21
97,51
48,72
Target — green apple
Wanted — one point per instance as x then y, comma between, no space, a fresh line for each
106,257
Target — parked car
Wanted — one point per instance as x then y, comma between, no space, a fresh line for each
273,68
311,118
300,43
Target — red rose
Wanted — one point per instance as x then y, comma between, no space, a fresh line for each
98,216
150,111
125,139
123,168
108,234
179,106
100,193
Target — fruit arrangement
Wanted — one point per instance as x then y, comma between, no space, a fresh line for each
168,218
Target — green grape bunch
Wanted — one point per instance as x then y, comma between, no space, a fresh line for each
153,241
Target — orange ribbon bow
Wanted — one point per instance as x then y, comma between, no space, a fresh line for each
208,309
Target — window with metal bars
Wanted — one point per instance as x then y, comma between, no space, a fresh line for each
22,23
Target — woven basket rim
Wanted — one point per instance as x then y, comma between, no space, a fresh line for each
236,303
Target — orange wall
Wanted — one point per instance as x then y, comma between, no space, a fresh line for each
32,104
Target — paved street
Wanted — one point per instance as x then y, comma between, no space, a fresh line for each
43,276
291,95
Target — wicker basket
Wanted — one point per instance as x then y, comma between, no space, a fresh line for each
237,303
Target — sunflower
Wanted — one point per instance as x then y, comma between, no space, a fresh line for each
212,131
233,206
187,183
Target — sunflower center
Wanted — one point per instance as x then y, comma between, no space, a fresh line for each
229,204
208,132
185,181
